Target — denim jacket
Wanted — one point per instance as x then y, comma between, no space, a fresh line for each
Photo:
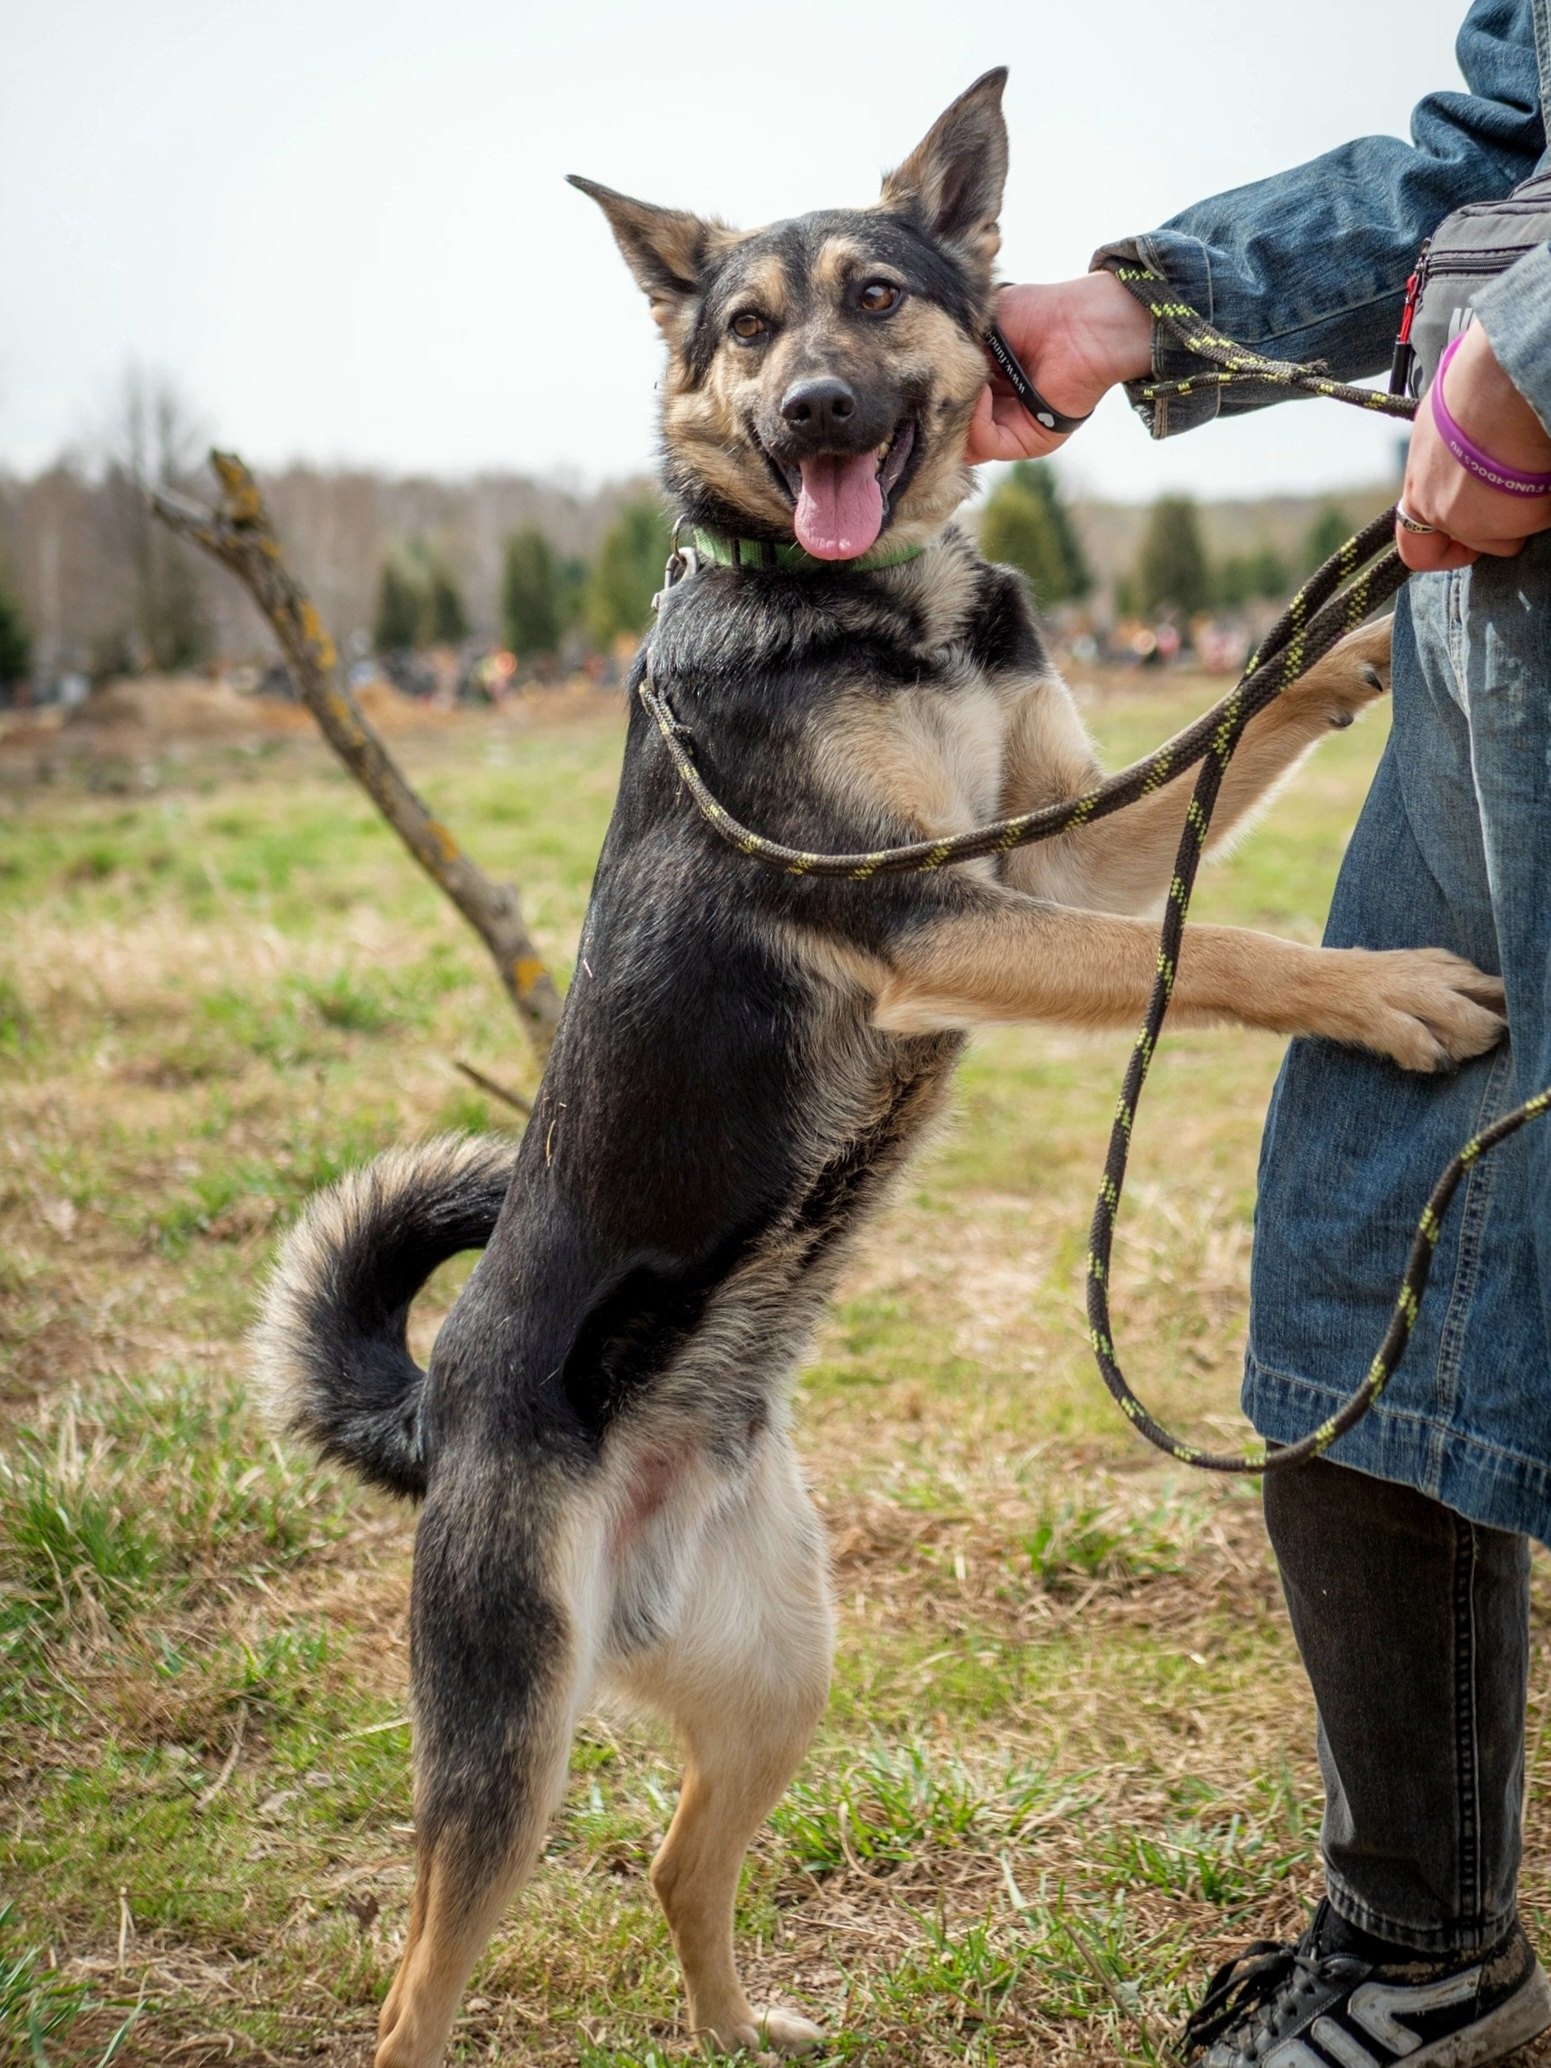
1312,263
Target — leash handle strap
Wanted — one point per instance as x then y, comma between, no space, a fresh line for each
1016,376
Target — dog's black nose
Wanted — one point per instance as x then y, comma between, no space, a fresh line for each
818,406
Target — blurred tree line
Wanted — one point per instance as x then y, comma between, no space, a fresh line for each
548,600
100,590
90,585
1027,524
1175,576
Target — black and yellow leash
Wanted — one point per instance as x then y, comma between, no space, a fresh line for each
1363,574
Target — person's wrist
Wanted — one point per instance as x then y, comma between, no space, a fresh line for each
1490,410
1119,326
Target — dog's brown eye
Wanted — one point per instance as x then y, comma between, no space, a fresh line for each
749,327
878,297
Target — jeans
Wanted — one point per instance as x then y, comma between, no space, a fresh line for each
1453,849
1407,1578
1414,1629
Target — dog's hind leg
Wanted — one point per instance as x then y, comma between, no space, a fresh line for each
743,1678
503,1623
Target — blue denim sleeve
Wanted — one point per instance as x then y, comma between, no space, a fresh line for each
1515,312
1312,263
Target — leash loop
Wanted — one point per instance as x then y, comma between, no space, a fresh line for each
1360,576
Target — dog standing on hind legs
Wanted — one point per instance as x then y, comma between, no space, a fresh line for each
600,1443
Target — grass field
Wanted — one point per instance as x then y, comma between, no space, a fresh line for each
1067,1760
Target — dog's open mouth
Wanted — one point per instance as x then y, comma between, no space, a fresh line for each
842,498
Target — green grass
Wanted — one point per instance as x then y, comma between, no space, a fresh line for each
1067,1761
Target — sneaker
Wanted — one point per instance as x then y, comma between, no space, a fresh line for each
1320,2004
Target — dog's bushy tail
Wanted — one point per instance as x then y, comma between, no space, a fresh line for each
330,1349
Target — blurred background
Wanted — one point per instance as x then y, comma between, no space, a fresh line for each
336,238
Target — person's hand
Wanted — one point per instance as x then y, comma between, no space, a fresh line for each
1468,515
1076,340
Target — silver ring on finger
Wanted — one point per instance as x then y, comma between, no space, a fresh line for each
1409,523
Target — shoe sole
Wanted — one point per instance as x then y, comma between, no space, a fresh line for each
1513,2024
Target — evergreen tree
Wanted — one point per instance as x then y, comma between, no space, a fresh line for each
1271,575
1045,482
571,590
530,595
1172,571
400,609
627,572
1243,576
15,641
1235,583
1027,525
446,621
1017,532
1327,534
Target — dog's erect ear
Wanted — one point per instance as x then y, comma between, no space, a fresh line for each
665,248
951,184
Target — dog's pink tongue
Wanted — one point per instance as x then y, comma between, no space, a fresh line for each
840,509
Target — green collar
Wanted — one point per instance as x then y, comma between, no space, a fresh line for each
726,552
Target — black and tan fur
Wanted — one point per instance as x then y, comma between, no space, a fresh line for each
601,1442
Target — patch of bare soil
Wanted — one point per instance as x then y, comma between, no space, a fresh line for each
143,717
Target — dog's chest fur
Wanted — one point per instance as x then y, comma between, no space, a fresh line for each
936,755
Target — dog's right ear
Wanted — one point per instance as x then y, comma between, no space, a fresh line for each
665,248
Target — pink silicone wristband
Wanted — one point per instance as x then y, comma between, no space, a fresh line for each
1495,473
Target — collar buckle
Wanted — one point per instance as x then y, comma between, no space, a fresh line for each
683,561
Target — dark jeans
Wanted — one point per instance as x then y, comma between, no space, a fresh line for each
1414,1629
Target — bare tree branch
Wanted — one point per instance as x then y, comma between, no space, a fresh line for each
238,533
488,1084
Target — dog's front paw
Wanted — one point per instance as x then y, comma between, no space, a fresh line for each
784,2032
774,2035
1433,1010
1351,677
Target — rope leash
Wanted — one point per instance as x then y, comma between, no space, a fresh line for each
1333,602
1363,574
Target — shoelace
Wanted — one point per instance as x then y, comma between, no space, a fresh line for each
1244,1991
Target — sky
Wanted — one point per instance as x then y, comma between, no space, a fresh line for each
342,229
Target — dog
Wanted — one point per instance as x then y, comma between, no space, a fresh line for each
600,1446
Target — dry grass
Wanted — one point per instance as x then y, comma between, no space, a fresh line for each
1067,1762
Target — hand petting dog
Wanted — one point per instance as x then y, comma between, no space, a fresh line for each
1077,339
1080,338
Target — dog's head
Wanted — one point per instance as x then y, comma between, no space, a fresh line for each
822,371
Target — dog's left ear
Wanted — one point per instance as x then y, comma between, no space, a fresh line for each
665,248
951,184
